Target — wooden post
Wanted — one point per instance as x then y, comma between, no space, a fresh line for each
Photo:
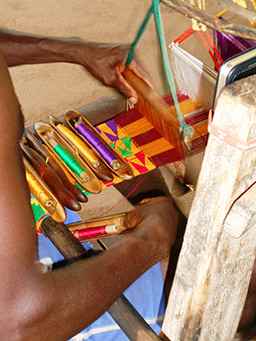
218,252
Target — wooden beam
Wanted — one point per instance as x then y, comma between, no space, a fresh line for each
131,322
208,18
218,252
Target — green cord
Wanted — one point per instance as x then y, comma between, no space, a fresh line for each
186,129
139,34
69,160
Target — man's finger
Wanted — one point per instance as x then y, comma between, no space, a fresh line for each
124,87
140,72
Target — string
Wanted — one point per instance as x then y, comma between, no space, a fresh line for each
186,129
81,189
237,43
208,43
184,36
90,233
142,28
154,9
87,152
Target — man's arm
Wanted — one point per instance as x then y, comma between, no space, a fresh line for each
103,61
55,306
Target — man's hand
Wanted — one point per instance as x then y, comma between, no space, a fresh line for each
159,225
106,62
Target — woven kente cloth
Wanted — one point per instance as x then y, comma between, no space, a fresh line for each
134,137
131,135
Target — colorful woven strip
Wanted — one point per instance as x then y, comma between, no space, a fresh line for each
133,137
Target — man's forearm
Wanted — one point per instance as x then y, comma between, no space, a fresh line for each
104,61
80,293
53,306
21,49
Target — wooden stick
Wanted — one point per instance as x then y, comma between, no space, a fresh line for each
218,251
154,108
211,21
131,322
125,315
239,10
123,221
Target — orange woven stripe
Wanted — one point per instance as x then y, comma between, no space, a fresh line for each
187,106
138,127
156,147
201,128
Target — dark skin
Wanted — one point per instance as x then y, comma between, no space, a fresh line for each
57,305
104,61
34,305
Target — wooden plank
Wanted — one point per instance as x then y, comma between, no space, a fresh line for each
236,26
218,252
183,195
131,323
129,320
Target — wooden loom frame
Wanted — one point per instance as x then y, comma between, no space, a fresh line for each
218,251
215,23
190,313
189,316
157,111
195,310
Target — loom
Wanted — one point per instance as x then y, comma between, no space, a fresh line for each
153,119
157,115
